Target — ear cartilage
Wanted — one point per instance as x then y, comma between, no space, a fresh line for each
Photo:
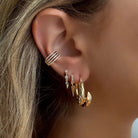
52,57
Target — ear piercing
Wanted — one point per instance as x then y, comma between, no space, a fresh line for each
77,89
66,79
73,87
78,92
52,57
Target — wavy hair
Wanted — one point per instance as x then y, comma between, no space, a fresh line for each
30,100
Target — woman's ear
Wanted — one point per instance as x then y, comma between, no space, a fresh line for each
54,29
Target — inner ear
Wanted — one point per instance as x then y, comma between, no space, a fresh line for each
69,49
54,30
50,33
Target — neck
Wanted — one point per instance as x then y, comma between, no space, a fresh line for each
103,124
103,119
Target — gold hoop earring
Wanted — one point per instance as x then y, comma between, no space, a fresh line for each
84,98
78,91
52,57
73,87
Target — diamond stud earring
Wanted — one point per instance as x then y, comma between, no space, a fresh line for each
66,79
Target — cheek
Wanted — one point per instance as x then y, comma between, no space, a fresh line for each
115,62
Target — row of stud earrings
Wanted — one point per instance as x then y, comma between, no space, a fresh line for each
78,91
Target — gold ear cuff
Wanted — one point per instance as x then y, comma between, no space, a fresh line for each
52,57
78,92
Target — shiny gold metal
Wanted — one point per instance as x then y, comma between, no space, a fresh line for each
78,91
52,57
73,88
82,99
81,93
89,99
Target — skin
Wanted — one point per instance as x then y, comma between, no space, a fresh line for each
109,47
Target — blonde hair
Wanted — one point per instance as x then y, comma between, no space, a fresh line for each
19,62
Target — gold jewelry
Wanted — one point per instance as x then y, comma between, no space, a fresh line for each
73,87
78,92
66,79
81,98
84,100
52,57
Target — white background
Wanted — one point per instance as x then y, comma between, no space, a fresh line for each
135,129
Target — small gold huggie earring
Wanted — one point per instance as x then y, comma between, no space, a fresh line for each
73,87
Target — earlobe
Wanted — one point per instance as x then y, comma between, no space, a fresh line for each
54,39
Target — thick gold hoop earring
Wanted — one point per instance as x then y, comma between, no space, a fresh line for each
78,92
84,98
